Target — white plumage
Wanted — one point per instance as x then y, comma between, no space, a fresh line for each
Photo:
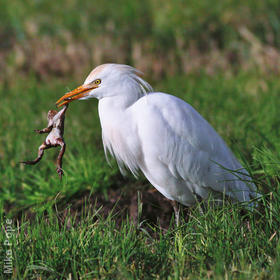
162,136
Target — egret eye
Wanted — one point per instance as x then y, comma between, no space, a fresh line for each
97,82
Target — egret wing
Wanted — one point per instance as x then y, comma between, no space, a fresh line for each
190,147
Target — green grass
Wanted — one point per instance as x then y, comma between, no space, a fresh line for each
53,242
150,19
160,38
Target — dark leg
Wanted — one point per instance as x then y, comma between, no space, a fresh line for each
44,130
59,158
176,208
40,155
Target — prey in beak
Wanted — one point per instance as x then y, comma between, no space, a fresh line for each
77,93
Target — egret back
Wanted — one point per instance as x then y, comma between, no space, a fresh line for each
174,136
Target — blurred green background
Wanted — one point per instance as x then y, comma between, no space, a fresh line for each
68,37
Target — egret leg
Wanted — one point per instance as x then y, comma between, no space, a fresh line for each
176,208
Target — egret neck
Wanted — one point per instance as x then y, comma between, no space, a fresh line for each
114,113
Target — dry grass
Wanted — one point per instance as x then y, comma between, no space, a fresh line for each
210,37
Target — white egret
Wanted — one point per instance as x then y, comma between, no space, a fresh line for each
162,136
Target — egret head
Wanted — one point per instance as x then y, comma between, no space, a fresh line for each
108,80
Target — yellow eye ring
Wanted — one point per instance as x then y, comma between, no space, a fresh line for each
97,82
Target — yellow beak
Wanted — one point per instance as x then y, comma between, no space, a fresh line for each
77,93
